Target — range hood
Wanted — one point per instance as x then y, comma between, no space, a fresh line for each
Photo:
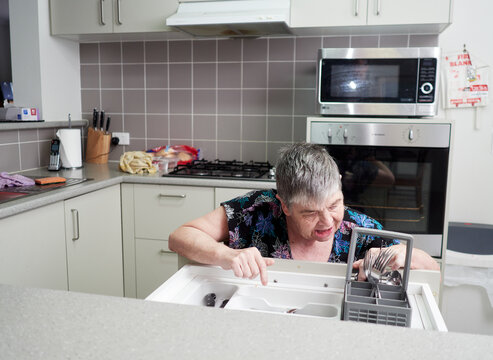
232,18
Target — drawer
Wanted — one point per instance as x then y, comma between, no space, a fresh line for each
225,194
160,209
154,264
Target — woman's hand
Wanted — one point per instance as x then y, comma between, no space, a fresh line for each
246,263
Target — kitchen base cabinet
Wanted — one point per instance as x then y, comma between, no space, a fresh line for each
94,242
32,248
155,264
225,194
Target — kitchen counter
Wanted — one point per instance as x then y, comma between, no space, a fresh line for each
51,324
106,175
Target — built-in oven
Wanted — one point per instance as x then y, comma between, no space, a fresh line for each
392,171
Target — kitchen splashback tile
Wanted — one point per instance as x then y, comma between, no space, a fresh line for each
306,75
90,99
336,42
280,102
180,51
281,49
133,52
204,102
255,75
253,151
133,76
254,128
179,101
273,151
228,75
394,40
44,152
116,121
307,48
423,40
180,126
204,127
28,135
89,76
136,145
46,134
115,153
204,76
110,52
207,148
9,136
299,133
254,102
157,126
134,101
229,101
180,76
156,51
157,101
229,50
279,128
254,49
228,150
370,41
135,125
156,76
304,103
281,75
10,157
111,76
111,101
30,156
204,51
89,53
229,127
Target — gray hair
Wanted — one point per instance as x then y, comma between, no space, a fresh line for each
306,172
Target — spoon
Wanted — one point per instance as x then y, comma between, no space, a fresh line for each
391,278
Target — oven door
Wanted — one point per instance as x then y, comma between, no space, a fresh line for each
404,188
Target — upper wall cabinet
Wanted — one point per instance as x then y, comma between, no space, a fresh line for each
76,17
394,15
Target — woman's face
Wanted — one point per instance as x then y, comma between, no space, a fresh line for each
316,221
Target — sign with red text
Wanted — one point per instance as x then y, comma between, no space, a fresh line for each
466,81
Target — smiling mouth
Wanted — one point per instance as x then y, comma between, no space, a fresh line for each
323,233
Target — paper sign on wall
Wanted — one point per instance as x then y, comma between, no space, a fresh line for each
466,80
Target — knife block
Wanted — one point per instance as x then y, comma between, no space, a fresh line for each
98,146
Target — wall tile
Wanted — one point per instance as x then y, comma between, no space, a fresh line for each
90,99
273,151
28,135
44,151
370,41
254,128
180,101
180,51
180,126
255,75
136,126
133,52
228,150
280,102
229,75
157,101
304,102
254,151
116,124
111,101
336,42
133,76
46,134
115,153
156,76
281,49
229,127
254,102
307,48
228,101
10,157
89,76
136,145
279,128
9,136
204,127
204,76
394,40
156,51
30,156
110,52
281,75
180,76
111,76
254,50
423,40
204,102
204,51
306,75
89,53
229,50
157,126
299,128
207,149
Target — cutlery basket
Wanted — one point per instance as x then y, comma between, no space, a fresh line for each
392,308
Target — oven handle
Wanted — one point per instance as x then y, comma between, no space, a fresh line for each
181,196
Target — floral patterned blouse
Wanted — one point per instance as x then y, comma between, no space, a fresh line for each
256,219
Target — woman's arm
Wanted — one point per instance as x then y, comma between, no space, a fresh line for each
202,240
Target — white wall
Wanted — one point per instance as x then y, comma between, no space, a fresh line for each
45,69
471,191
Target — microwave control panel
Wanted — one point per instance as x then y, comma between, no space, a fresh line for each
427,80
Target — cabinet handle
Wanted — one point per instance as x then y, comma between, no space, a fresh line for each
356,7
118,17
379,8
75,224
181,196
162,252
101,12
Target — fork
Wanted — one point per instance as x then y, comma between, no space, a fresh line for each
375,267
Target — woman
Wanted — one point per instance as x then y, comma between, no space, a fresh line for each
305,219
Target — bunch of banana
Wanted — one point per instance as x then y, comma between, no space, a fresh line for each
137,162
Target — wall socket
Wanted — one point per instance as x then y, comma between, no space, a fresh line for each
124,137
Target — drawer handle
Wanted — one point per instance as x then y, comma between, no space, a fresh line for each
162,252
180,196
75,224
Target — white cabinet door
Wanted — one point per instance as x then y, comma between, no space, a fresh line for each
143,15
32,248
69,17
225,194
326,13
94,242
155,264
398,12
160,209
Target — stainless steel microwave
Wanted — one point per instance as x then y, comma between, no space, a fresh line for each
378,81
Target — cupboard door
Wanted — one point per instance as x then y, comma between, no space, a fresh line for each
32,248
94,242
71,17
143,15
327,13
225,194
155,264
161,209
399,12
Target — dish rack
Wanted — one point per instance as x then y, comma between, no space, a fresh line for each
393,307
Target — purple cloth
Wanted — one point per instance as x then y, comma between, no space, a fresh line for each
7,180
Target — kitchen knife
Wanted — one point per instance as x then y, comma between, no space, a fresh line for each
101,121
95,118
107,124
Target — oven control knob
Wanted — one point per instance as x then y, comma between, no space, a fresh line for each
272,173
411,134
329,133
426,88
345,134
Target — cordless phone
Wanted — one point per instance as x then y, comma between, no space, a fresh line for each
54,155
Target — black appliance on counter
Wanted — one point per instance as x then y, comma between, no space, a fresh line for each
220,169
